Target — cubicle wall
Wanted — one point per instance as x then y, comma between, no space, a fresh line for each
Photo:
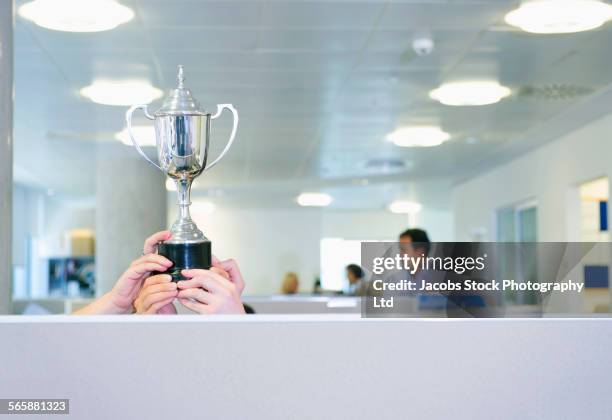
334,366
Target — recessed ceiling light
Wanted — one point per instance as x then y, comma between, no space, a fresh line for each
418,136
405,207
144,135
76,15
470,93
314,199
559,16
121,92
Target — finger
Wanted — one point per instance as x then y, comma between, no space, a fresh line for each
207,279
231,267
150,244
196,272
157,279
153,258
215,260
198,294
143,268
220,271
150,300
159,305
196,307
160,287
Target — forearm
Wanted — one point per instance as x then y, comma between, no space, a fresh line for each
103,306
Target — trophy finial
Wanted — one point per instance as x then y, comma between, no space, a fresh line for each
180,77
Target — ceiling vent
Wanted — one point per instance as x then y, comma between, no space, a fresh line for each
385,166
555,91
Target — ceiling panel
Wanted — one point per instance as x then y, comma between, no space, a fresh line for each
321,14
163,13
318,85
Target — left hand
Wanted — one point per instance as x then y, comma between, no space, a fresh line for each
209,292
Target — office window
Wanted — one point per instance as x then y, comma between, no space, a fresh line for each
519,223
594,210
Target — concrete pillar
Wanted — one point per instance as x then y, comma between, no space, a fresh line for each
6,153
130,206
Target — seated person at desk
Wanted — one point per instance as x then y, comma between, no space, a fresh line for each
214,291
355,277
291,284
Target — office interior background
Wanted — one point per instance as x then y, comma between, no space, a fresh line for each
457,117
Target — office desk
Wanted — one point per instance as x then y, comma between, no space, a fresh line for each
312,366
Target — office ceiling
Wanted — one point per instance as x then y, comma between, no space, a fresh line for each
318,85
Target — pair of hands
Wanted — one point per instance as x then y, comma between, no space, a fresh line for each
214,291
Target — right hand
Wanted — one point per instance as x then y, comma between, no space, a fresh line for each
156,295
233,272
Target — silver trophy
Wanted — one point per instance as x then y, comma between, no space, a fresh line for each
182,134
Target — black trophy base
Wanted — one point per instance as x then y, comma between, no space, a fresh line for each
186,256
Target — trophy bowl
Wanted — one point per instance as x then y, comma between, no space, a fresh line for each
182,136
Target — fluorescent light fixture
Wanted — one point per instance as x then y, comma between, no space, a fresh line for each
170,185
314,199
121,92
418,136
76,15
470,93
144,135
202,207
402,207
559,16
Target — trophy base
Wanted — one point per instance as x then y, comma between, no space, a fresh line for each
186,256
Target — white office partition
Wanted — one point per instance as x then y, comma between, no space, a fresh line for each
310,367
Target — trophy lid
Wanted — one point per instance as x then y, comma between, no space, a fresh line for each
180,101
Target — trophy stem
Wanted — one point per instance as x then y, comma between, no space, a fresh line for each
188,247
184,228
183,188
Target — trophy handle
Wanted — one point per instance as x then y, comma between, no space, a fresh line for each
128,120
220,109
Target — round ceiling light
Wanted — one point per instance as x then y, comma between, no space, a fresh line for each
76,15
418,136
470,93
559,16
144,134
405,207
314,199
121,92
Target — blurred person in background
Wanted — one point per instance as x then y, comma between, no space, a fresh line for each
356,279
317,289
291,284
414,242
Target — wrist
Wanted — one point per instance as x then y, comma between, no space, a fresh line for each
114,305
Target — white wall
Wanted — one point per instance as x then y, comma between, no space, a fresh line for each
26,202
269,242
550,175
62,216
